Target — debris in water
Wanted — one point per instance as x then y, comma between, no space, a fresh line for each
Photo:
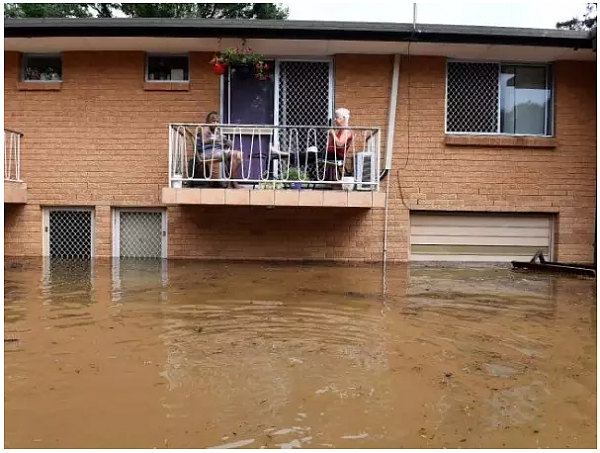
239,443
293,444
499,370
357,436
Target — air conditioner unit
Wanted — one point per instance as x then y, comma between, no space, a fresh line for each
365,171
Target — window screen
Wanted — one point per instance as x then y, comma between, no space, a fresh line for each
168,68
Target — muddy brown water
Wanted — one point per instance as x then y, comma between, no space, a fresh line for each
193,354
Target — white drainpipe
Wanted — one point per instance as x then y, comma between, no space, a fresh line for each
389,146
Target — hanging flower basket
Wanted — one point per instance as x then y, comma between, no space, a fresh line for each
243,61
219,68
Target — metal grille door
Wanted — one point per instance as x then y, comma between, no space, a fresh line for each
304,93
139,234
472,97
304,99
69,233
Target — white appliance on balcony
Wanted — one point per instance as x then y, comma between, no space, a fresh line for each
365,170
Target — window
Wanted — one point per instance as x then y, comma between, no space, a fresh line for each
167,68
493,98
42,68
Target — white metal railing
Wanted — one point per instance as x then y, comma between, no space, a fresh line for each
273,157
12,155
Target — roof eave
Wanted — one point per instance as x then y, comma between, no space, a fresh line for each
199,28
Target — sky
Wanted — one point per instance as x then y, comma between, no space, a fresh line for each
523,14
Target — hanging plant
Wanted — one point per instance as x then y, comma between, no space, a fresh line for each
219,68
241,60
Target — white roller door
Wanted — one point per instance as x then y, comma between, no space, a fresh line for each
491,237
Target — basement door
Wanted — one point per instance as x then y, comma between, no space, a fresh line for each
139,233
68,233
483,237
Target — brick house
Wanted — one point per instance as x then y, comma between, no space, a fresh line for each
484,149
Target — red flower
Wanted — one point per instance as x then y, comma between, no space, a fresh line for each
266,67
249,49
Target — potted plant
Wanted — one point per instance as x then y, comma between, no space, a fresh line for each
295,176
243,62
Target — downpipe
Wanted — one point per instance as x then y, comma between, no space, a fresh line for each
389,142
389,146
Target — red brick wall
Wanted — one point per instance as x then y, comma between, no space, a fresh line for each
434,176
102,141
300,233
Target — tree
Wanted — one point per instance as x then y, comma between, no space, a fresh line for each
173,10
587,23
46,10
206,10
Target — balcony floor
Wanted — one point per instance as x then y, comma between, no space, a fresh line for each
247,197
15,192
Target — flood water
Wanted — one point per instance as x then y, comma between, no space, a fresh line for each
185,354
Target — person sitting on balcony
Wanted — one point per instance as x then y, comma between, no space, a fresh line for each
339,142
214,148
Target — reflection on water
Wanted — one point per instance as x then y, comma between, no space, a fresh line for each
135,275
205,354
67,282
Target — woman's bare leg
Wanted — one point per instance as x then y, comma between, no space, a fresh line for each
214,170
236,161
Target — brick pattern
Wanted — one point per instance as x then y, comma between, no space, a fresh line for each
560,179
282,233
22,230
101,140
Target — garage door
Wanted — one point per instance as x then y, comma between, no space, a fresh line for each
479,237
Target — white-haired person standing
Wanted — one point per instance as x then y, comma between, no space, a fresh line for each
339,141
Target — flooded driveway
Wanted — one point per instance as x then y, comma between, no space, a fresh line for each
185,354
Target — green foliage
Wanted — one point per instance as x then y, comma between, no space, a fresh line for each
243,56
149,10
46,10
293,174
588,22
238,56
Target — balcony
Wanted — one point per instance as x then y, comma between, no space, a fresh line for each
273,166
15,190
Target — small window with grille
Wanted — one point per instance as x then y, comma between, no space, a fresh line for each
42,68
495,98
167,68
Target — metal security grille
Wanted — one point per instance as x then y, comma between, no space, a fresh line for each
304,93
69,234
140,234
472,97
303,101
